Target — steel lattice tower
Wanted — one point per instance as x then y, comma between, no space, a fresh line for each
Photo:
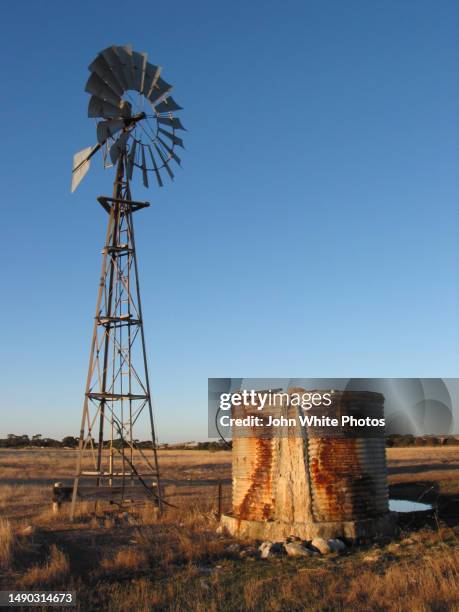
117,399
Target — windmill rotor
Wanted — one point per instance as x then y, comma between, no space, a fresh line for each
133,108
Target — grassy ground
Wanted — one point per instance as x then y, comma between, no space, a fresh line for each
119,560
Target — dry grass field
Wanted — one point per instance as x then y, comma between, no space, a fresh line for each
116,560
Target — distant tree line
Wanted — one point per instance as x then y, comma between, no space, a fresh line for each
18,441
15,441
410,440
206,446
22,441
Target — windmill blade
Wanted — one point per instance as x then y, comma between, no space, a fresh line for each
125,55
112,58
101,68
97,87
173,122
131,160
80,167
175,139
166,106
139,63
118,147
105,129
155,167
171,152
144,169
159,90
164,160
100,108
151,76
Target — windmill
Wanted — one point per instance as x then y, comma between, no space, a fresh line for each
135,128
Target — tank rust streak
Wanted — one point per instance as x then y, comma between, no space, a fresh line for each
257,503
341,493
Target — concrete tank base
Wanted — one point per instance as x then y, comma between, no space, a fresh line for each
276,530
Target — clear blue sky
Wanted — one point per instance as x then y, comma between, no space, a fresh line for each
313,230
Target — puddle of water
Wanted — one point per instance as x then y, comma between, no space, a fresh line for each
405,505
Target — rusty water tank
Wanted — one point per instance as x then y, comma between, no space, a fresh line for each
314,480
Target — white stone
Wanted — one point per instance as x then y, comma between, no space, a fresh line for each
296,549
321,545
265,549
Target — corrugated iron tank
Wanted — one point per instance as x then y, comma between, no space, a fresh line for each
314,475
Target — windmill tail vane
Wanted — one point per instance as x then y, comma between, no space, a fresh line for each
137,128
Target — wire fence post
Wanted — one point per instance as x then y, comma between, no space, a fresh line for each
219,497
